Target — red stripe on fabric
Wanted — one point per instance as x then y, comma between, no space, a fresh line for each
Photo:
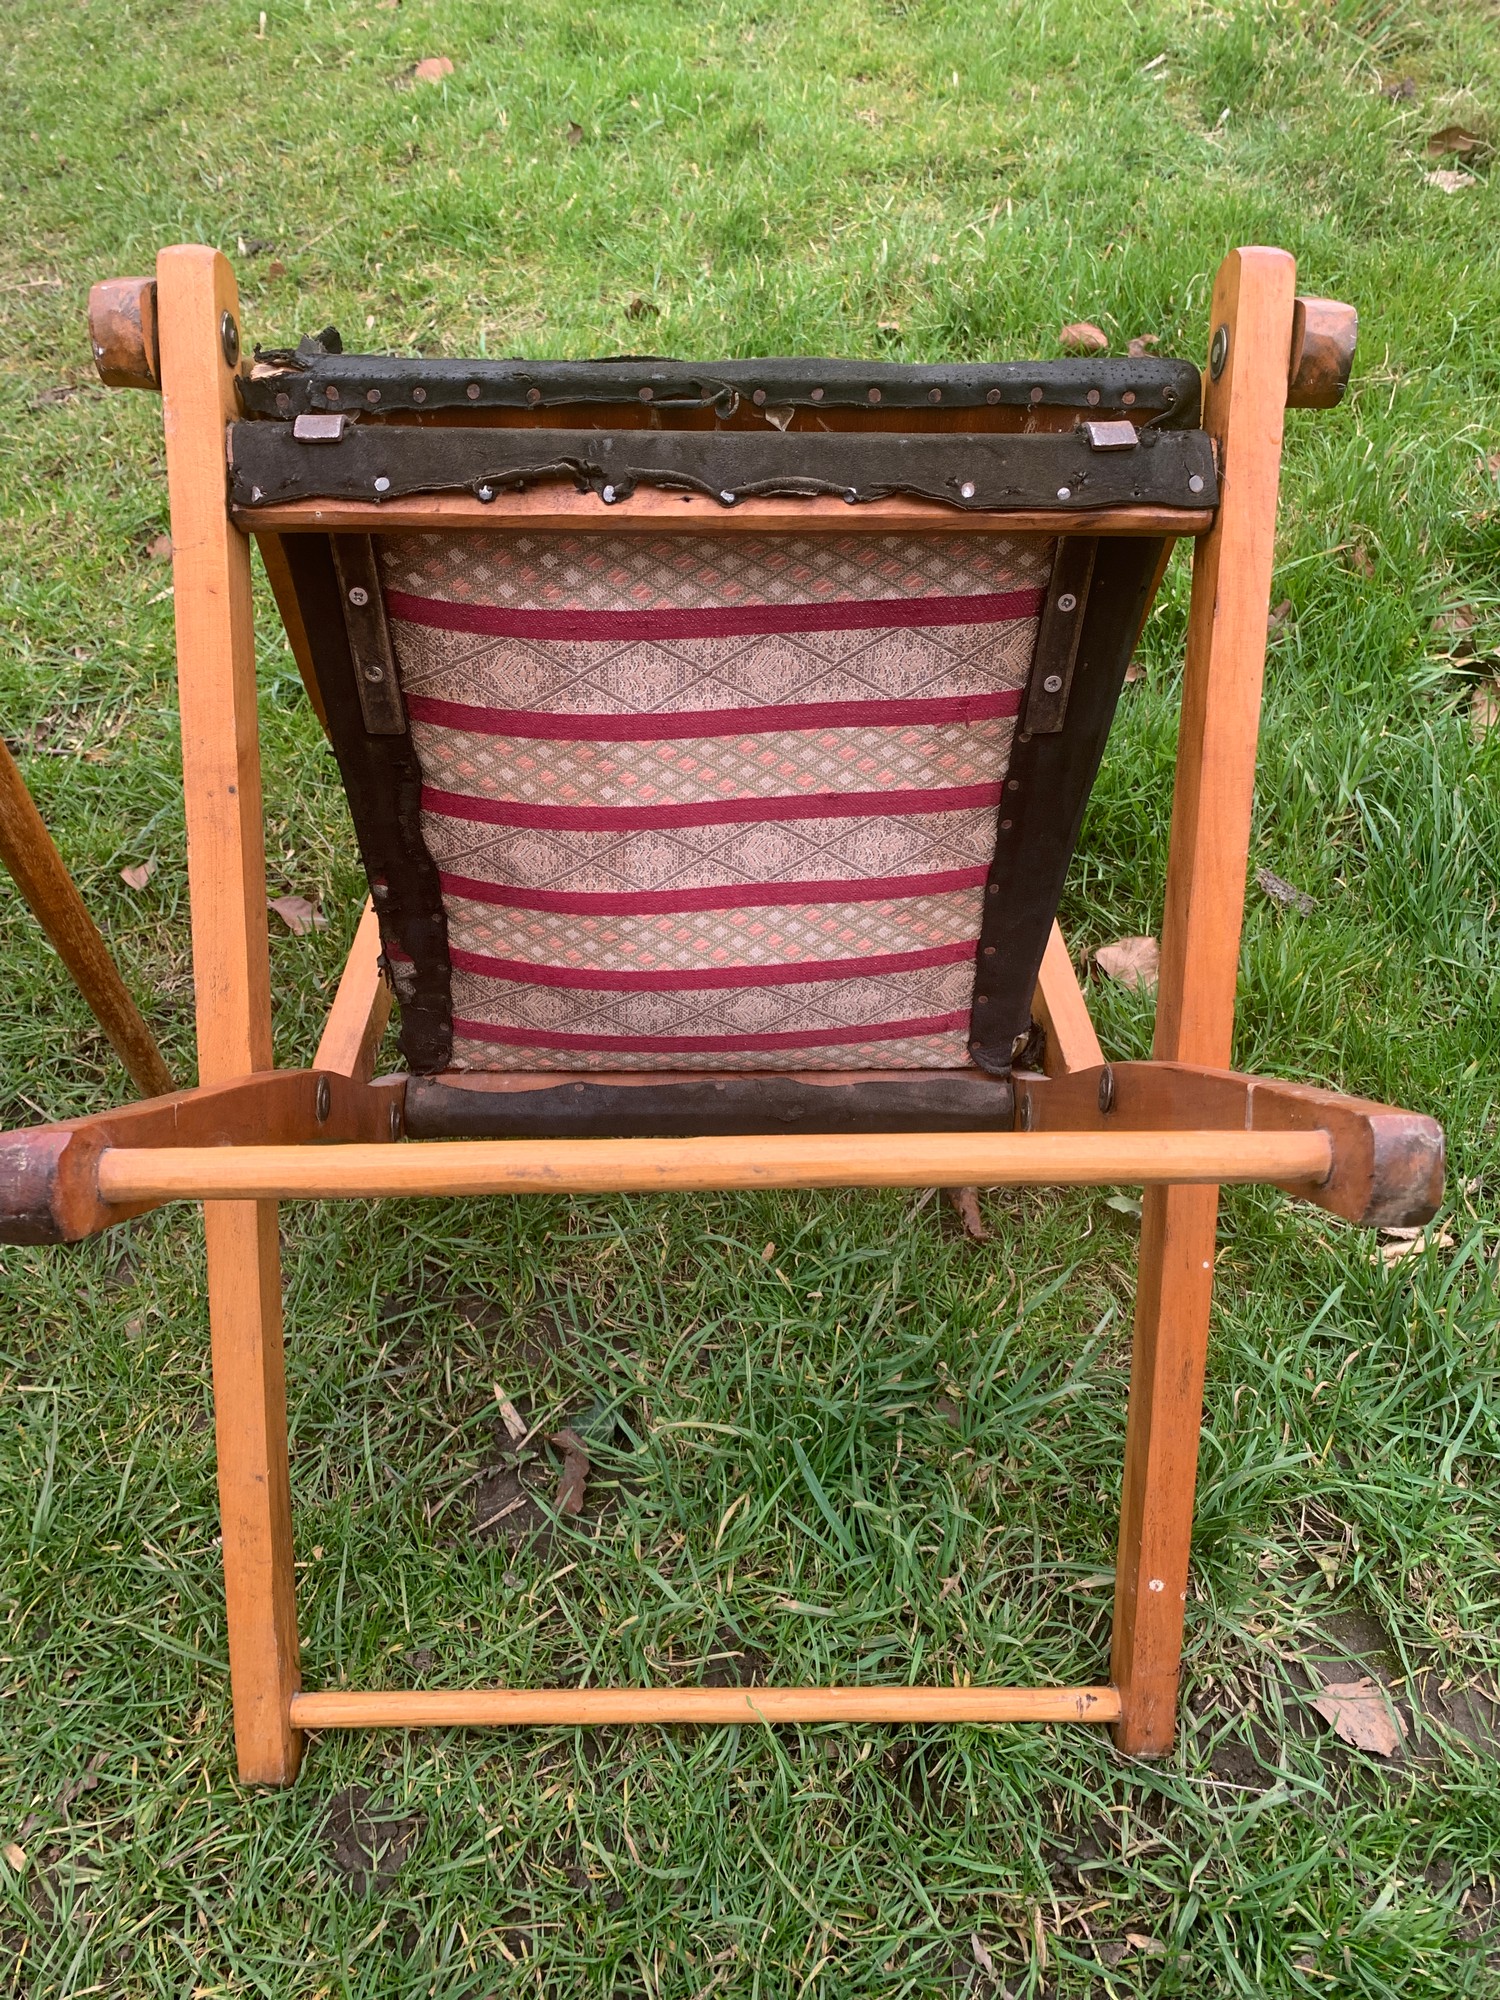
696,979
675,1045
783,716
708,812
735,896
721,621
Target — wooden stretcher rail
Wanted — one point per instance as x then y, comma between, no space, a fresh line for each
650,511
617,1166
562,1707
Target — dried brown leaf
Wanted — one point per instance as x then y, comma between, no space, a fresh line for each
640,308
891,328
1134,672
1401,91
276,269
1396,1245
160,547
1452,180
1143,344
574,133
1360,559
15,1855
964,1201
1361,1714
1459,140
983,1957
575,1471
432,69
298,914
1081,336
510,1416
1286,893
1279,614
138,876
1484,709
1131,961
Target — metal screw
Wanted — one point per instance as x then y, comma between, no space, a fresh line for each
727,497
872,395
758,396
331,393
373,671
359,595
644,395
1064,492
967,489
533,395
395,1121
1128,398
372,395
1067,602
283,400
472,392
1195,484
1218,354
851,498
934,395
1037,394
1093,396
1053,683
229,336
817,395
992,396
419,395
1107,1088
382,484
323,1102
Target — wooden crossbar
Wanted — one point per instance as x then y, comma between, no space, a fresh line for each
564,1707
618,1166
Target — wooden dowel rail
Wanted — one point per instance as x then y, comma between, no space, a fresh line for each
619,1166
567,1707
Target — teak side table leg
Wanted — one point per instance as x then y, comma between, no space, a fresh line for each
198,317
1244,406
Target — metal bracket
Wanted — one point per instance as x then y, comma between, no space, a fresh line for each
1057,636
369,637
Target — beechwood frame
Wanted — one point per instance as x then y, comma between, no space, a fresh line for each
250,1135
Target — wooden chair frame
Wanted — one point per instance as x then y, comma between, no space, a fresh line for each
1181,1125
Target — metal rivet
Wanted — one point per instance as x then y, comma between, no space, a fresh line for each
1037,394
533,395
373,671
1013,784
727,497
1107,1088
229,335
1195,484
323,1101
372,395
359,595
1093,396
644,395
486,494
981,999
1156,1584
331,393
872,395
472,392
1053,683
382,484
934,395
967,489
608,496
758,396
1128,398
1024,737
1067,602
994,888
1006,825
283,400
851,498
1218,354
989,951
1064,492
992,396
419,394
817,395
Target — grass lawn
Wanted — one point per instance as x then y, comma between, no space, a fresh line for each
832,1435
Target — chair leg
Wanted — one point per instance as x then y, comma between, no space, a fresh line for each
1161,1461
244,1303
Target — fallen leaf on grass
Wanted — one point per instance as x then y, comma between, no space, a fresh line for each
574,133
1142,344
982,1955
432,69
575,1471
1360,559
1401,91
1396,1245
1127,1205
890,328
1457,139
1081,336
1134,671
1152,1947
1451,179
964,1201
1132,961
510,1416
15,1855
298,914
1279,614
1484,709
640,308
160,548
137,876
1286,893
1359,1712
276,269
949,1585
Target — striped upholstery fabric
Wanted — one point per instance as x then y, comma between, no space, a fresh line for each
712,802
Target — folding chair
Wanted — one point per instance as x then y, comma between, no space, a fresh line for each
716,740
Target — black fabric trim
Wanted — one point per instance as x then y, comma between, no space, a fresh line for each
1046,790
991,472
288,382
383,782
692,1107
